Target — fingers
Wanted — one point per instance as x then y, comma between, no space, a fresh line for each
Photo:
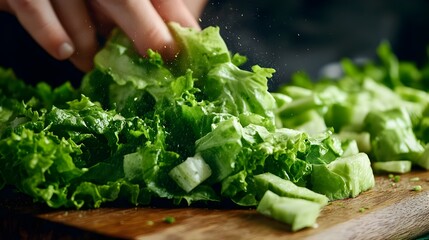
65,29
77,22
62,27
141,22
145,21
177,11
41,22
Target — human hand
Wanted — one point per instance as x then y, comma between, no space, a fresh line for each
67,29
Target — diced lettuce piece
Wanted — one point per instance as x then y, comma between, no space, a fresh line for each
133,167
345,177
392,136
392,166
362,139
190,173
286,188
423,160
299,213
220,147
340,115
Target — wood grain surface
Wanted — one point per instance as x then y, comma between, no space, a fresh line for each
388,211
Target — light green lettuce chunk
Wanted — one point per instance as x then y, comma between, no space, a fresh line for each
299,213
191,172
286,188
345,177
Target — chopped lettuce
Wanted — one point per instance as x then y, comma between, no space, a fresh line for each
382,105
392,166
298,213
203,129
129,129
345,177
282,187
392,137
190,173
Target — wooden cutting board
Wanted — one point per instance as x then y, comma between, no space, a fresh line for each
388,211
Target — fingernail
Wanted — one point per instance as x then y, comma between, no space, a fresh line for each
66,50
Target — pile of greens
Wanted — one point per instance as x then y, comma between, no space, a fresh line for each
383,106
201,129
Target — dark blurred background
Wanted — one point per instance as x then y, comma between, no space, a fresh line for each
305,35
288,35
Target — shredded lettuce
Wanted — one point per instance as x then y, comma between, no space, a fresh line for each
202,129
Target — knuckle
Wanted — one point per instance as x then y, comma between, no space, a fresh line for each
155,33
